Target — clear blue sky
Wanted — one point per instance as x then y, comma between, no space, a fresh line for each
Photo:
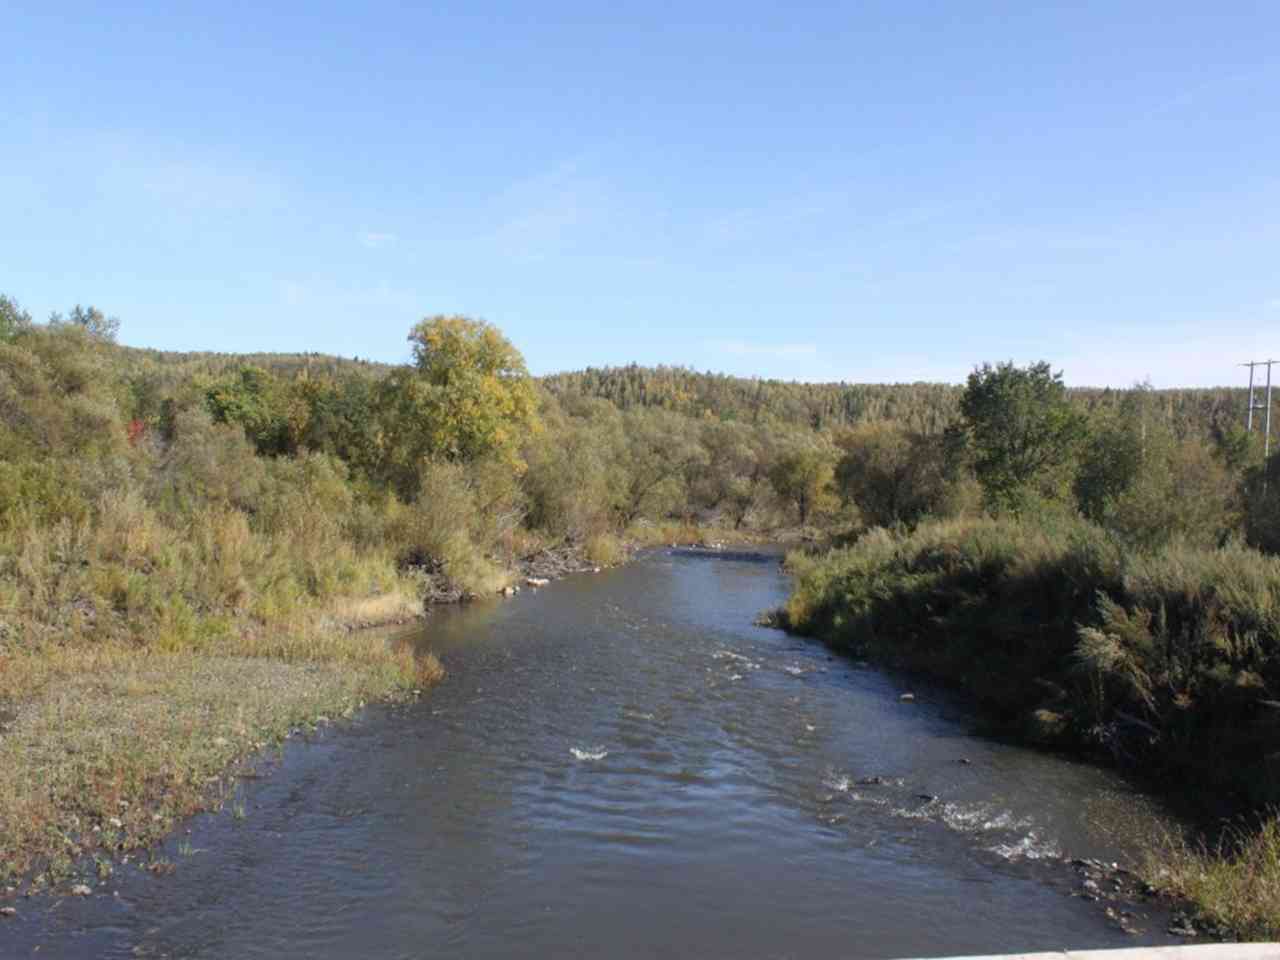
861,191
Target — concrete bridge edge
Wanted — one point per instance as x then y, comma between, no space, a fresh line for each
1207,951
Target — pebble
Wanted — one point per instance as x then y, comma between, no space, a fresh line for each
1181,927
115,822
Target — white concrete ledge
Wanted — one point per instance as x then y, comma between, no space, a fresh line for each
1206,951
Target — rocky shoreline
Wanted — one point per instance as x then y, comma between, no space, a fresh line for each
1122,893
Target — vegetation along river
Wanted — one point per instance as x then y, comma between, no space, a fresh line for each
623,765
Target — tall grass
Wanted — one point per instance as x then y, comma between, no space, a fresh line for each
1164,659
1235,884
1167,661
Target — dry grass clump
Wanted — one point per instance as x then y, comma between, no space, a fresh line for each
604,550
395,606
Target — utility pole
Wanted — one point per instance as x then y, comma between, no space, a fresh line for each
1266,443
1266,420
1248,416
1253,405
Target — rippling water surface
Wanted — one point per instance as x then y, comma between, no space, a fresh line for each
621,765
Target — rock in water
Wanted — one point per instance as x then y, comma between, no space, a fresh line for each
81,890
907,698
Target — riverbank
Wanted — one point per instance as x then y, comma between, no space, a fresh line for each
106,747
1160,663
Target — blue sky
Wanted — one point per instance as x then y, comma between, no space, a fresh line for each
859,191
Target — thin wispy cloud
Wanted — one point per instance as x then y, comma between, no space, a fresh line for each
196,185
185,179
315,290
544,213
375,240
1213,86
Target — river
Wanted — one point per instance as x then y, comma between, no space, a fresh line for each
621,765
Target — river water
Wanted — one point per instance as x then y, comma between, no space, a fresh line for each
621,765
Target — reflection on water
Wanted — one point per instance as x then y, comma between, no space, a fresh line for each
623,765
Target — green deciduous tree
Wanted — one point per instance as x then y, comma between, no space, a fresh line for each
1023,433
91,320
1137,478
802,476
895,476
13,319
657,452
731,478
1109,464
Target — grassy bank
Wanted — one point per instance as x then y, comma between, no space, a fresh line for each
169,601
104,749
1165,661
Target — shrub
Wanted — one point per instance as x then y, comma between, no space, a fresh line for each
1161,658
604,549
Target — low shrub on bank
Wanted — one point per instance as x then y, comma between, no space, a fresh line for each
1167,660
1164,659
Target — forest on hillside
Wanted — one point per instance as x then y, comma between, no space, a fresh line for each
925,408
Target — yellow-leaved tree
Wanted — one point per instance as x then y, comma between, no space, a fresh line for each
467,396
